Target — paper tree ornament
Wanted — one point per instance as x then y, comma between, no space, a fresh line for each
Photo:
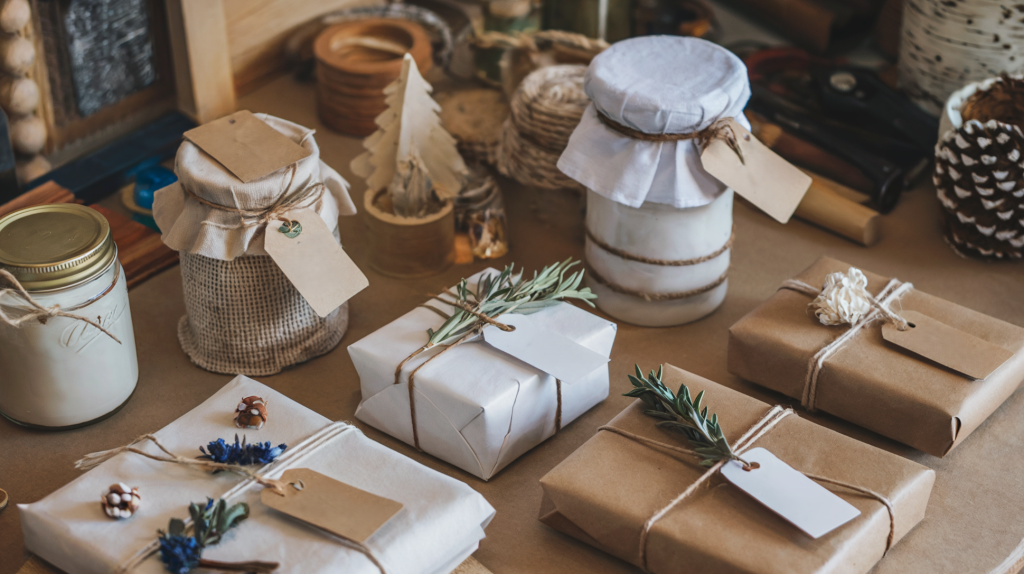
411,134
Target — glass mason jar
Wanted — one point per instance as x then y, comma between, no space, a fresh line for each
56,371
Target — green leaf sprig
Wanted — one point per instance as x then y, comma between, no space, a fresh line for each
679,413
509,292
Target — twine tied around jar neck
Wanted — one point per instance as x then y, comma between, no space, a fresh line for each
719,129
770,420
309,196
38,312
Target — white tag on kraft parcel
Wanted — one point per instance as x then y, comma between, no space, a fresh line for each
789,493
313,260
556,355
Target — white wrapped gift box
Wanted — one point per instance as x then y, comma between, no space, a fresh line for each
441,524
477,408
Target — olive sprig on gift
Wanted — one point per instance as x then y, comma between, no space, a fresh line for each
182,553
679,413
509,292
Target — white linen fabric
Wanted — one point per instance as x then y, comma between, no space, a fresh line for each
441,524
190,226
477,408
656,85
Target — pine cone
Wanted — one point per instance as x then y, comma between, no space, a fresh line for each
979,176
120,501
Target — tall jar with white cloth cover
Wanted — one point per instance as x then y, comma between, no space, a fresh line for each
67,347
242,313
659,227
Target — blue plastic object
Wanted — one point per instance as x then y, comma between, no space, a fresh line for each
148,181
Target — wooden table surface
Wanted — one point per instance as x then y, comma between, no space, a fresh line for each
975,520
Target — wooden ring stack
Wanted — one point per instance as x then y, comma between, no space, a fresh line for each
355,61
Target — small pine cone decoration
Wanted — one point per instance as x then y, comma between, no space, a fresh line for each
979,177
251,413
120,501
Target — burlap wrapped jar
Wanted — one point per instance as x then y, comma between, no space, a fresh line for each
243,315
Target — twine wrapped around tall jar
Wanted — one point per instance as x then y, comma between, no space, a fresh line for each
242,314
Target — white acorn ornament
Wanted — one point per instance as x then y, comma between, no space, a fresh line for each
979,169
121,501
251,413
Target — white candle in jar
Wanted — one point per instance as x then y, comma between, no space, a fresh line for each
60,371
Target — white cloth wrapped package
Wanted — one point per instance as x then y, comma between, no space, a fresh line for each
656,85
477,408
440,525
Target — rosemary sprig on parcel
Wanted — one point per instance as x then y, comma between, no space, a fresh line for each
509,292
679,413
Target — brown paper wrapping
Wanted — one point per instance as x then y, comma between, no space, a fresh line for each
605,491
869,381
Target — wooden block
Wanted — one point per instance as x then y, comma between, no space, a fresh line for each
202,62
48,192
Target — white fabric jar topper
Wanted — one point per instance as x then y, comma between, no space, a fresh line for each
635,85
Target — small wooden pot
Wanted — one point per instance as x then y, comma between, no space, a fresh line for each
408,248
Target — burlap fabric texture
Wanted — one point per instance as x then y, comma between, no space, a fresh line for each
243,315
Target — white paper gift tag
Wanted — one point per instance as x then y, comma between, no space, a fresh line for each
313,260
763,178
786,491
558,356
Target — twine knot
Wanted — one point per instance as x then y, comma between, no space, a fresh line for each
719,129
37,311
309,196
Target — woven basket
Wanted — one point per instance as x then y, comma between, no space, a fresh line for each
545,110
245,317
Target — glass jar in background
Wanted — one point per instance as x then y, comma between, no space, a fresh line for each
480,213
58,371
585,17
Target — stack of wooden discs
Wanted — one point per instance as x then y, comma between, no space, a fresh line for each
355,61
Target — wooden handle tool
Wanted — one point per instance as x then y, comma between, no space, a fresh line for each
825,205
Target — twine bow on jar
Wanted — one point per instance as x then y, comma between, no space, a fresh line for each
38,312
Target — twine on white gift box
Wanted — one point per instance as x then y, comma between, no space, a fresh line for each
769,421
288,459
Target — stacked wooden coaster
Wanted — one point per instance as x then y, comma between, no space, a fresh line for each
355,61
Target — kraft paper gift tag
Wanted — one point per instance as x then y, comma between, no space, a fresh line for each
949,347
246,146
762,177
305,249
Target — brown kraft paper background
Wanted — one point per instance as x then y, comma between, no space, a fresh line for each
605,491
871,382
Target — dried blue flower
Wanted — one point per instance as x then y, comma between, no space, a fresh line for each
179,554
241,452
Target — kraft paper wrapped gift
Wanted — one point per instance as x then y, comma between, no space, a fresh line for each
477,408
441,524
869,381
604,492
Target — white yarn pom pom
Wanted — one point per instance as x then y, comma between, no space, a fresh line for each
843,299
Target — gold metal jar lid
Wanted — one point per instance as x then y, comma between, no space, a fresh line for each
55,246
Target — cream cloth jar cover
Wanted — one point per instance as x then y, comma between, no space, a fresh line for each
659,226
243,315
